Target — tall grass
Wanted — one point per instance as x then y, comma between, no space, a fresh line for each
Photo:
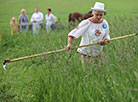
60,78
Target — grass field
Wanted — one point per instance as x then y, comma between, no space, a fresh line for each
58,77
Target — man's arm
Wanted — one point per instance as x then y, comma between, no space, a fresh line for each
69,43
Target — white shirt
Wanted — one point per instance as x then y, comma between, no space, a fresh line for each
38,17
50,19
91,32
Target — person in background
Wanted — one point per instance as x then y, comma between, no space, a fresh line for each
94,29
23,21
50,21
14,26
37,21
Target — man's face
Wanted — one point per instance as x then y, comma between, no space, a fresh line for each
48,11
98,15
36,10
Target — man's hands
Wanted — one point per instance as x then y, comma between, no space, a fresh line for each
34,21
69,43
103,42
69,47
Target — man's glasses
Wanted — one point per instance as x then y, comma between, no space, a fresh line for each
99,14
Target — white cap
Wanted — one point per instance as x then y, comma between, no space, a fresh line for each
98,7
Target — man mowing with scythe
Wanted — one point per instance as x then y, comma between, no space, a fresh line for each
94,29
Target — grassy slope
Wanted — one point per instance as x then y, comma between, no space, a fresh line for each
59,78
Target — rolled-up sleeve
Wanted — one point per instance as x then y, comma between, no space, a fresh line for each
79,30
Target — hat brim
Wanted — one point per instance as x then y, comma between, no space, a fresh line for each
96,9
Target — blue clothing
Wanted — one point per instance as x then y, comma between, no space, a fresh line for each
23,23
53,26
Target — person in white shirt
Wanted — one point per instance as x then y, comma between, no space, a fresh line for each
37,21
50,21
94,29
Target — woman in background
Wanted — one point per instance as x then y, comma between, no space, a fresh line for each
23,21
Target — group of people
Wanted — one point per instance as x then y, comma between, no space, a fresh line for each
36,20
93,29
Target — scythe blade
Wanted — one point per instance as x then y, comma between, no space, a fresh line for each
4,65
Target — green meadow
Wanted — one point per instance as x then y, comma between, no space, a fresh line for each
60,77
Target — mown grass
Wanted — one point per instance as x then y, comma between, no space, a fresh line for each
58,77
